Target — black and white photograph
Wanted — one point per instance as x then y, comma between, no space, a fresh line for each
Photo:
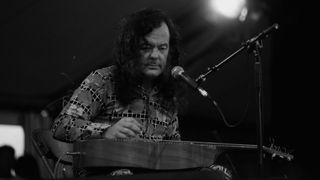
158,89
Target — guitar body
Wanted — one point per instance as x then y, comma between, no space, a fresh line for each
164,155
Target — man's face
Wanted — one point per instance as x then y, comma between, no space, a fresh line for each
154,49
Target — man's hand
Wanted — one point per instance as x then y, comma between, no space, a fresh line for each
125,128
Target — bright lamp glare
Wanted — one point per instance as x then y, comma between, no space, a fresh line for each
228,8
12,135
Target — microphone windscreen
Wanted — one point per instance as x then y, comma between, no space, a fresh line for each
176,71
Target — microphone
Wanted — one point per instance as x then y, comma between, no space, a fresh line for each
178,73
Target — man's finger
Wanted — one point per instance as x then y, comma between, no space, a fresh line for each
127,132
120,135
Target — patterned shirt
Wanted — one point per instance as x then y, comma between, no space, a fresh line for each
94,107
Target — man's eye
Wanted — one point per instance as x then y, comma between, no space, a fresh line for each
163,47
145,47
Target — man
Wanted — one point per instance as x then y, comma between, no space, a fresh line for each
137,97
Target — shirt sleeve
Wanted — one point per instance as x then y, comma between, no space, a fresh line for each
75,120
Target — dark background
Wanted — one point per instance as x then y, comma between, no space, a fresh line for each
48,47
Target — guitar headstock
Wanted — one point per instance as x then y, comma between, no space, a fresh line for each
277,151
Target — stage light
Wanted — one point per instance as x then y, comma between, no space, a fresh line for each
229,8
243,14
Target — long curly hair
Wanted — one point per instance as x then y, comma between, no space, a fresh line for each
133,28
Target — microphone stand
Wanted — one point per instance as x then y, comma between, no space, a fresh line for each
252,45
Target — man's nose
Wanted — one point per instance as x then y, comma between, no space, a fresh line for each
155,53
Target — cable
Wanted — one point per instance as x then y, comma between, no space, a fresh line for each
221,113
